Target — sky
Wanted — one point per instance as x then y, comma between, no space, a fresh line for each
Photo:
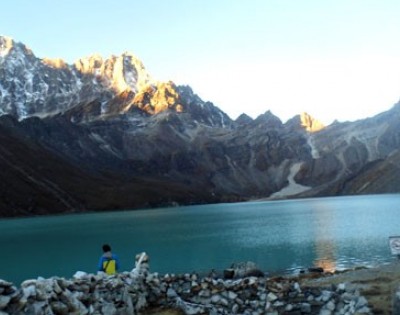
336,60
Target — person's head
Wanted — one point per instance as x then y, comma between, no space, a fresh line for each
106,248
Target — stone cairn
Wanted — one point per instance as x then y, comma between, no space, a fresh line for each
134,292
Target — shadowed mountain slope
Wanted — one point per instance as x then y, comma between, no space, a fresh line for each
102,134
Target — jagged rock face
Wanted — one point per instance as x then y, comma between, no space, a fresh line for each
305,121
29,86
32,86
310,124
90,89
137,142
120,74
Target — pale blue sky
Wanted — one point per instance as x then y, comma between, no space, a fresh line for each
333,59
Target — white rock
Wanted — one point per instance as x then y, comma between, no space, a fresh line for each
4,300
341,287
361,302
28,283
29,291
235,308
305,308
141,302
171,293
330,306
254,304
38,307
193,310
205,293
278,304
109,309
271,297
364,310
215,299
326,295
252,280
232,295
296,286
80,275
56,287
288,307
224,302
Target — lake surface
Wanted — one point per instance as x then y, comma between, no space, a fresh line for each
279,236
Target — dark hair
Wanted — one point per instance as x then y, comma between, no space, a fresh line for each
106,248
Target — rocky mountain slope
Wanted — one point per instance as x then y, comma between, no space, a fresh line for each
102,134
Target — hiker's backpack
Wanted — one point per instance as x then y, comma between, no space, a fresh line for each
110,266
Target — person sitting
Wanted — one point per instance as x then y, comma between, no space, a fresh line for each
108,262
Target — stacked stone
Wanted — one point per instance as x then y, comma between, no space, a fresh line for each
253,296
132,292
8,294
84,294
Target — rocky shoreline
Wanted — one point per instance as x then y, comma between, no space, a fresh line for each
137,291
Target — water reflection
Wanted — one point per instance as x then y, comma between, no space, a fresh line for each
325,251
325,248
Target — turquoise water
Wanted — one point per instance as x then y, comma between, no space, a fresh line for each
335,233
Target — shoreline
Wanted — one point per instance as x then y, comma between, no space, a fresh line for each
150,293
378,284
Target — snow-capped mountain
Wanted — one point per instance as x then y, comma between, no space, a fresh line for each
30,86
103,134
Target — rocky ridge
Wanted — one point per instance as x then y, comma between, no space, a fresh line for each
137,142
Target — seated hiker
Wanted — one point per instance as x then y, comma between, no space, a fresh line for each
108,262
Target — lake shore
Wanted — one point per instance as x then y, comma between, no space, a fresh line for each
358,291
377,284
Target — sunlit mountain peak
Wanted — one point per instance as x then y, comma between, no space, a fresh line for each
309,123
6,44
55,63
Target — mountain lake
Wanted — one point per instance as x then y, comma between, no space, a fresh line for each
279,236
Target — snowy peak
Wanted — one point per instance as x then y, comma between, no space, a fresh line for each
125,73
306,122
92,88
6,44
30,86
10,48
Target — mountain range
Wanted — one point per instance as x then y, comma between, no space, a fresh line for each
102,134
